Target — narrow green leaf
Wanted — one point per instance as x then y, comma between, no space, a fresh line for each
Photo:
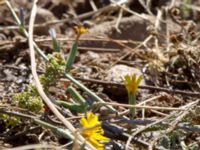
71,56
72,106
56,45
61,132
75,95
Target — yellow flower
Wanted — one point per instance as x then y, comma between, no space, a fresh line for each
92,131
80,30
131,83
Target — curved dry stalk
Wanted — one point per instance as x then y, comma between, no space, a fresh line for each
37,81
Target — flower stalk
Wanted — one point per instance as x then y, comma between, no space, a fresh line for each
72,54
131,82
132,101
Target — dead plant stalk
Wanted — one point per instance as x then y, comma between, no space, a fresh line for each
37,82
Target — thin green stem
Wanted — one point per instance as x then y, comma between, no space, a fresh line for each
132,101
23,30
84,88
71,56
76,96
63,132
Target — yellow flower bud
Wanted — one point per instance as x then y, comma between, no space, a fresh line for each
80,30
131,83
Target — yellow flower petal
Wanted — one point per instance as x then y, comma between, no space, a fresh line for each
80,29
92,131
96,144
140,78
83,122
133,78
131,83
92,119
127,78
101,138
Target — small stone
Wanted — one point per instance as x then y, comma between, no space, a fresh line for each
1,87
118,72
93,55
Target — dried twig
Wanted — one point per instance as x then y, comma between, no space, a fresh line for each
168,130
37,81
145,107
190,105
131,50
173,124
146,6
143,16
35,146
119,20
94,7
114,84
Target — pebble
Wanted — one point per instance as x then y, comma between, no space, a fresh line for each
117,73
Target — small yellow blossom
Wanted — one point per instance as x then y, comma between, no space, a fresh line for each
92,131
131,83
80,30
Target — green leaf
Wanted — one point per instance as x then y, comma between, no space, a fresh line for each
165,142
71,56
75,95
59,131
72,106
56,45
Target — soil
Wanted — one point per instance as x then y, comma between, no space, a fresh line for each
157,40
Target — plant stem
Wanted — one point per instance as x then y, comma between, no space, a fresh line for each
62,132
76,96
132,101
71,56
84,88
24,31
